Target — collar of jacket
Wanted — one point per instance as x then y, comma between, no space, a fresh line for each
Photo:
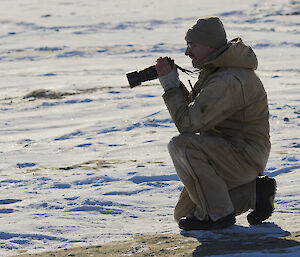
204,74
207,63
234,54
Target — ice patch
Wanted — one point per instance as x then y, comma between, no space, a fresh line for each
102,210
72,54
84,145
290,159
26,165
70,135
128,193
49,49
9,201
7,236
6,211
94,202
61,185
142,179
95,181
282,171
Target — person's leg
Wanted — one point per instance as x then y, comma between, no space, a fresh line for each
207,179
185,207
206,189
243,197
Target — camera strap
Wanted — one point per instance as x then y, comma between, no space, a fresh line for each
186,71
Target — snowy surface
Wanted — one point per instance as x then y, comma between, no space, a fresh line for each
88,163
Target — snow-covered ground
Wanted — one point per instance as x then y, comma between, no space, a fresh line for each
88,163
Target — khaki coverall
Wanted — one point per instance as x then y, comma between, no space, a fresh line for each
223,143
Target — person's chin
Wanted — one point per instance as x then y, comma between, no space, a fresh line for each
194,63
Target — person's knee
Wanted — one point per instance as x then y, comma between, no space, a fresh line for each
174,144
177,143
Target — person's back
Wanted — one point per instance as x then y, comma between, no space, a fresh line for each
248,126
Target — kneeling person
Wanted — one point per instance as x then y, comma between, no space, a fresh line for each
224,144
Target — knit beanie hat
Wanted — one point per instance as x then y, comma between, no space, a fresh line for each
209,32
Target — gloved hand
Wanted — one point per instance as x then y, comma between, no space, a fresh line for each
167,74
171,80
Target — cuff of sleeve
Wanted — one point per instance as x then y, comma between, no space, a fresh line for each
170,80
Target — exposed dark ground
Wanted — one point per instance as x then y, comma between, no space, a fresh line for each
183,245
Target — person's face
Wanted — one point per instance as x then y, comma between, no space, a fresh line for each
197,53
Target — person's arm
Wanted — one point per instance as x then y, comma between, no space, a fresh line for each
168,76
184,91
167,73
218,100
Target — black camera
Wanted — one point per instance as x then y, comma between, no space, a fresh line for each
135,78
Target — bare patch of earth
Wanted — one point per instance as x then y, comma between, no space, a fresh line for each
49,94
94,165
184,245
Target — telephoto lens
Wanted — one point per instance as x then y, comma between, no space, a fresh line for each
135,78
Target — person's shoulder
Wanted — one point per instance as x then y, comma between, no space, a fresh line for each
236,73
227,74
230,71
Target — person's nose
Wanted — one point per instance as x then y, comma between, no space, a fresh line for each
187,51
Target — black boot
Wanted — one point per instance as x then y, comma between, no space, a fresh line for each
265,193
194,224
